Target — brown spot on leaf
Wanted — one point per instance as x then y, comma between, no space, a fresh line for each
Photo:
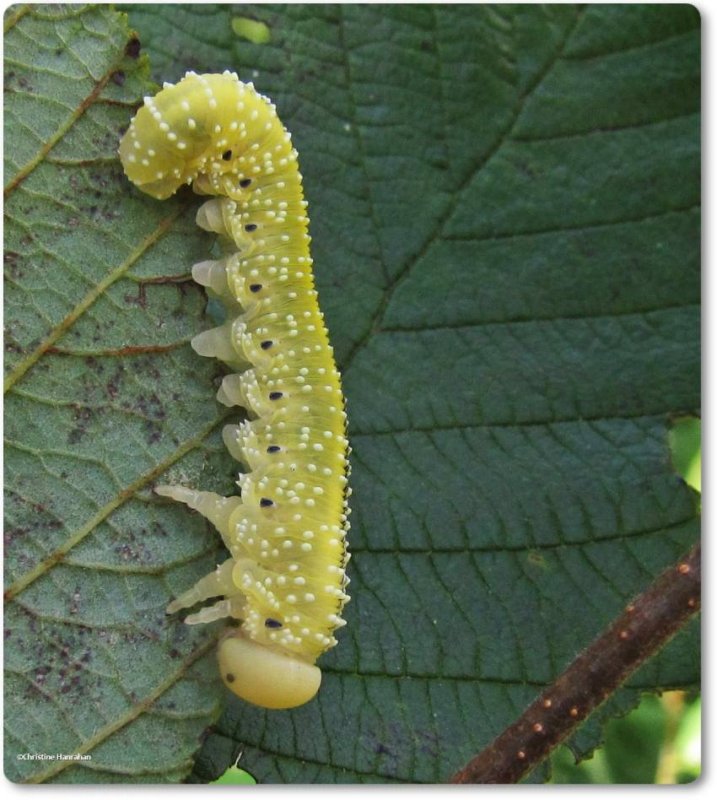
133,47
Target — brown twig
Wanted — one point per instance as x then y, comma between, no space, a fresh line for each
641,630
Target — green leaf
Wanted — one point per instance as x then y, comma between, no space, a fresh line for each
657,742
504,207
92,666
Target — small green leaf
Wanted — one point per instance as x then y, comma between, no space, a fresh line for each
685,439
252,30
235,776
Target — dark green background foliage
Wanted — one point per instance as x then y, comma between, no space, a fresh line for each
505,210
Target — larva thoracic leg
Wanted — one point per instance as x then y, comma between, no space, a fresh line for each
286,533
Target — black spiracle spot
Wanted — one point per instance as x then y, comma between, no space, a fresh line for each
265,502
255,287
272,623
275,395
227,155
245,183
230,678
273,448
250,228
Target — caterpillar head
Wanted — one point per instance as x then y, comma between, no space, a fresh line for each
266,677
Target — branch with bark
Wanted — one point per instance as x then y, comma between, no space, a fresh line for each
643,628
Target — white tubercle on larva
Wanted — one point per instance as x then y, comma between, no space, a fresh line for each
286,532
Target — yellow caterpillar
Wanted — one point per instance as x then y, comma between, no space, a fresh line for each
286,533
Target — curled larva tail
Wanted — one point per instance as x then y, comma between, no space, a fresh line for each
264,676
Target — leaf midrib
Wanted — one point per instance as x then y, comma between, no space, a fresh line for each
444,217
